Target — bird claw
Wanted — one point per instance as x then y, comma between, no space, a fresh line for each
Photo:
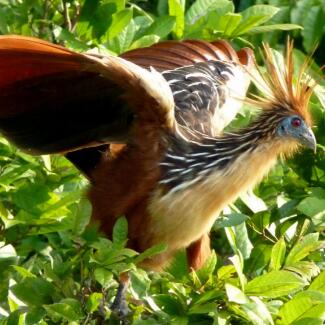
119,306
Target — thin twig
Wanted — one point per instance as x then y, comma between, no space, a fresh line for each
76,17
67,21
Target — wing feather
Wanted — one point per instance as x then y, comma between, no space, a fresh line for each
208,101
55,100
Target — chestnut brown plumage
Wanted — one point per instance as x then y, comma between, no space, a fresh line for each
166,165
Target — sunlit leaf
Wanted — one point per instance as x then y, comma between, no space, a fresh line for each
274,284
278,254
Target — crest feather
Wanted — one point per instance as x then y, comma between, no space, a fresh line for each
279,87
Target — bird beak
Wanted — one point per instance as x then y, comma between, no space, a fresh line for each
307,139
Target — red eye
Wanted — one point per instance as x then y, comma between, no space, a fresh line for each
296,122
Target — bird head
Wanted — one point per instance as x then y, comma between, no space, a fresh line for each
295,128
285,97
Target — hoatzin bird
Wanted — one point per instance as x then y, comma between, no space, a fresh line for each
146,129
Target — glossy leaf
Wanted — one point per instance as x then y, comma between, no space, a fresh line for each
176,10
144,41
319,283
313,23
274,284
34,291
306,245
254,16
303,305
120,20
273,27
278,254
201,8
162,26
67,309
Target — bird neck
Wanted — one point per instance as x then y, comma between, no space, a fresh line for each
194,162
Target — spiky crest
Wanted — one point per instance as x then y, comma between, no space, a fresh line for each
280,90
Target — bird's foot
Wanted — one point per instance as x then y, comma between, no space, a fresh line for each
119,306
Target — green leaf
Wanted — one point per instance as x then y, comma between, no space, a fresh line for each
265,11
7,251
101,21
82,217
3,22
120,232
72,42
243,242
30,196
176,9
228,23
207,269
303,305
303,247
254,16
150,252
274,27
123,41
253,202
229,220
319,91
237,261
68,309
120,4
225,272
178,268
87,12
142,23
238,239
309,321
235,295
24,272
305,269
211,295
261,309
15,173
145,41
94,301
318,283
170,304
103,276
259,259
162,26
310,206
201,8
203,309
34,316
34,291
298,11
313,24
140,283
120,20
274,284
278,254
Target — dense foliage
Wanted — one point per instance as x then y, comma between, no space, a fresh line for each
269,262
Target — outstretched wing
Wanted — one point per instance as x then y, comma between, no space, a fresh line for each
209,80
55,100
169,55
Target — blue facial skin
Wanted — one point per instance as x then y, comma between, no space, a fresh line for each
296,128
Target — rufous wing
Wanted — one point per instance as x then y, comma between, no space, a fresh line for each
170,55
55,100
